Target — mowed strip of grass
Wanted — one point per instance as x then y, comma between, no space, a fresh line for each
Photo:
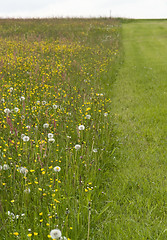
139,189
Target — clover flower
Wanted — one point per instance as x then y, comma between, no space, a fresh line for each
81,127
55,234
57,169
105,114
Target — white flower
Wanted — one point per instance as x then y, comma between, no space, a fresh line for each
2,100
57,169
26,138
28,126
0,167
63,238
50,135
88,116
55,234
51,140
77,146
45,125
105,114
7,110
23,170
81,127
5,167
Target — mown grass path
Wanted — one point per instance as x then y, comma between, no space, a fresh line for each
139,208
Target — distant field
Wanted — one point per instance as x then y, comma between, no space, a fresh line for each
56,138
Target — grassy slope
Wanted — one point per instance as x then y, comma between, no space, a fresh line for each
139,193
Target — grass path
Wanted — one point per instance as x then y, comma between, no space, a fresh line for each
139,201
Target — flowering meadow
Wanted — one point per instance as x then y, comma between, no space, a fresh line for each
56,139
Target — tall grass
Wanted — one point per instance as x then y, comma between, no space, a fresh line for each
56,152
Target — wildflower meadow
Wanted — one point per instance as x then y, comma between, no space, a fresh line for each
56,138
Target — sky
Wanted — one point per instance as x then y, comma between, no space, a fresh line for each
83,8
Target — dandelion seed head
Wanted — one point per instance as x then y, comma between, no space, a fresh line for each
51,140
7,110
22,98
95,150
16,109
45,125
5,167
27,190
43,102
88,116
77,146
81,127
55,234
50,135
23,170
26,138
55,106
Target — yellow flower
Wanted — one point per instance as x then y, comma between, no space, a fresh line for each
35,234
16,233
29,235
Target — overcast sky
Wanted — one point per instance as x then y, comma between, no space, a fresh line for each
84,8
